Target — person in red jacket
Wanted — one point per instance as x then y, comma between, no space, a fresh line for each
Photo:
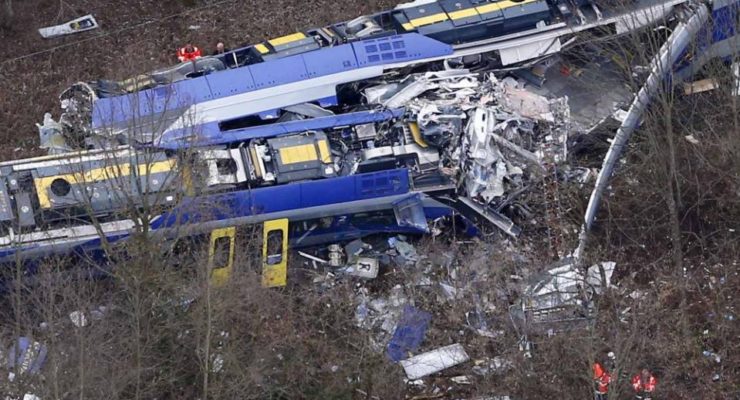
188,53
644,384
602,379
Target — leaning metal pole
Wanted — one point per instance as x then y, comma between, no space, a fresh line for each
661,65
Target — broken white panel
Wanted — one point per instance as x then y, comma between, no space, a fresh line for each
363,26
736,74
434,361
703,85
217,363
562,285
215,174
450,292
426,156
524,153
487,170
691,139
99,313
559,286
619,115
429,113
409,92
78,318
67,236
528,51
81,24
495,183
309,110
379,94
420,83
494,365
51,136
528,104
593,275
369,154
633,21
312,258
364,267
461,380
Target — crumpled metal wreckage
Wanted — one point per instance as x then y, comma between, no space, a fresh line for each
493,138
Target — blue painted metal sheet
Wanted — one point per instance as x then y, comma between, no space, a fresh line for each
330,60
265,200
336,233
230,82
278,71
326,61
330,101
209,134
409,333
725,21
409,212
110,111
26,355
398,48
722,27
379,184
185,93
288,197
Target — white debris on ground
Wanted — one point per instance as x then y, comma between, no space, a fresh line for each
27,396
560,290
76,25
380,315
434,361
493,139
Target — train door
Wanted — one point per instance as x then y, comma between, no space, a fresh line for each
275,253
221,255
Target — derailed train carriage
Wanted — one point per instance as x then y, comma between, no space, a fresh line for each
286,133
250,85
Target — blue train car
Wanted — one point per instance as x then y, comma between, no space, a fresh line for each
251,84
282,133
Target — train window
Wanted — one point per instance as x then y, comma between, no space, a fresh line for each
221,252
274,247
383,217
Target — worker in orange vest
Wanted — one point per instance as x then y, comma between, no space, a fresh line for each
602,378
644,385
188,53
